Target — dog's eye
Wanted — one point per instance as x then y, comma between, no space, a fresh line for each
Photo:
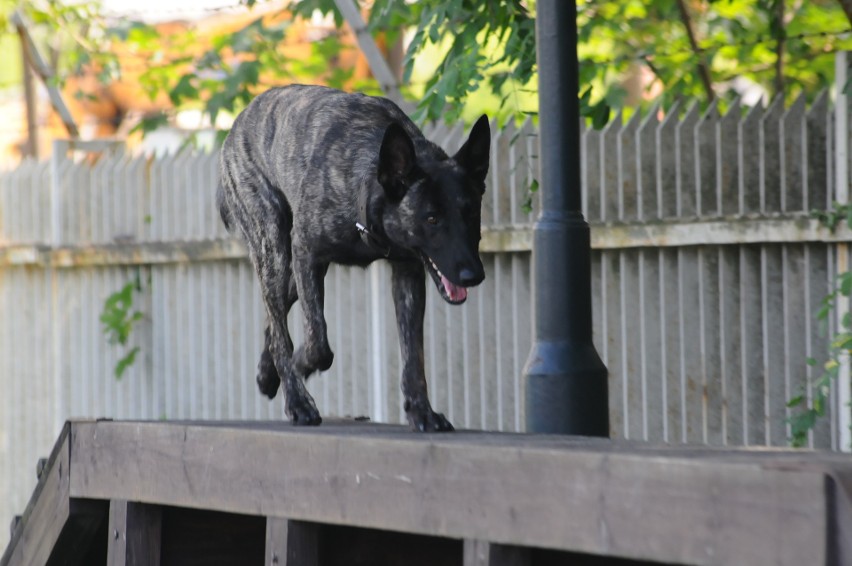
432,219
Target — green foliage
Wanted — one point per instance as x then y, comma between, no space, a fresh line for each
227,76
72,36
478,51
832,217
118,318
804,420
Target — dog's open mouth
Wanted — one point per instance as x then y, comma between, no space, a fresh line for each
452,293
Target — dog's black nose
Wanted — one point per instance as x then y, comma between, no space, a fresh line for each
469,278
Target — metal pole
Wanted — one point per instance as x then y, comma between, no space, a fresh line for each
566,382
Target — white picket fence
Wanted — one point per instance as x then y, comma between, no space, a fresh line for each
706,274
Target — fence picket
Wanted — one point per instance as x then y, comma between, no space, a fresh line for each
770,170
646,166
685,152
792,134
816,153
667,163
591,171
610,191
727,173
627,180
748,161
705,162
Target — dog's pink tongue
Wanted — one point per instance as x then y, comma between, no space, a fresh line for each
454,292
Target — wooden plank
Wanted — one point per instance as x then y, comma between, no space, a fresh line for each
792,134
484,553
751,361
134,534
666,156
581,495
627,178
773,260
685,162
817,153
610,192
707,203
495,239
748,161
839,488
55,529
726,161
731,346
291,543
646,166
591,171
770,157
712,385
690,346
46,513
670,346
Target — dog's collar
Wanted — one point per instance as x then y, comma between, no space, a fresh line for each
367,229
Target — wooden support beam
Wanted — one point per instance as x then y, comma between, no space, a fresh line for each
32,149
55,528
839,490
495,239
45,73
484,553
388,81
291,543
663,504
135,534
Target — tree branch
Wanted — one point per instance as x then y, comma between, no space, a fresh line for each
847,9
779,28
703,70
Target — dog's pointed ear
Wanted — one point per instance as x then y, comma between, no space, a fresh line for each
396,160
474,154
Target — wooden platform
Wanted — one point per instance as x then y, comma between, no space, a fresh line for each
359,493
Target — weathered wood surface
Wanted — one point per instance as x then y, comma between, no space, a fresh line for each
498,492
667,233
55,528
669,504
484,553
291,543
134,534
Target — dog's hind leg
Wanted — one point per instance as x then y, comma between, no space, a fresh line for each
268,380
409,300
265,220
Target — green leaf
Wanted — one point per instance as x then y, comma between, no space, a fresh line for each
124,363
797,400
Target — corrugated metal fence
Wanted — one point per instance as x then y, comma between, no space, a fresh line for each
706,274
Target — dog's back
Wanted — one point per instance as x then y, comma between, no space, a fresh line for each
314,144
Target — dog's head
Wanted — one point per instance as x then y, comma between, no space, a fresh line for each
433,206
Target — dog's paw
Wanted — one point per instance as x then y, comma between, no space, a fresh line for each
268,380
302,412
424,419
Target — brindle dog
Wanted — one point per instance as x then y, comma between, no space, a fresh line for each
309,176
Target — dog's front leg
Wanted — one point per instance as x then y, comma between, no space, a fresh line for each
409,299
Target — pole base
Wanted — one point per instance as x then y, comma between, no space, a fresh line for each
566,390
